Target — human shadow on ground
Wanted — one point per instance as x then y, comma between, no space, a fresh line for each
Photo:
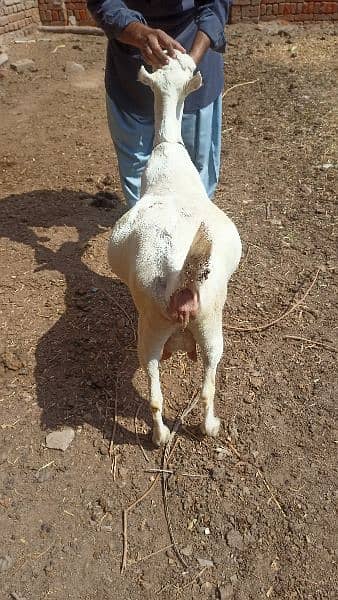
88,357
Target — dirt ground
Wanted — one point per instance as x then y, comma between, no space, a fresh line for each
252,512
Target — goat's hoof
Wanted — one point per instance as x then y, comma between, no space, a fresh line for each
161,436
211,427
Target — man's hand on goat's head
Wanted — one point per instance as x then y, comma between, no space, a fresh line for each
155,45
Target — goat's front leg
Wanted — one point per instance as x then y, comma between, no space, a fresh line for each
210,339
150,346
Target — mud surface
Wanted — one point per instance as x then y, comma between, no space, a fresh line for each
258,504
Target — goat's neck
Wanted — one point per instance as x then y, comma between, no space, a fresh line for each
168,119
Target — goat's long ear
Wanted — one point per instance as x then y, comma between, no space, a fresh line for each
145,77
194,83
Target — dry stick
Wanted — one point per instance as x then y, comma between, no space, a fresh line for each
153,554
137,436
177,473
192,580
302,339
141,498
111,452
16,596
282,316
271,492
125,521
239,85
111,443
166,456
273,496
44,552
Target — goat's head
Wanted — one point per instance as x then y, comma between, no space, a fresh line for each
176,79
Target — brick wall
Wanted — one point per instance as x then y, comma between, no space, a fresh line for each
18,15
71,12
23,15
64,12
291,10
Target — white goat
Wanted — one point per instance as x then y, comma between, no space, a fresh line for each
175,250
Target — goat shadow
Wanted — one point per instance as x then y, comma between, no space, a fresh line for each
89,354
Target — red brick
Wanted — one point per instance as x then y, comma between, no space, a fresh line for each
250,11
308,8
57,16
263,9
235,11
330,7
275,9
303,17
287,8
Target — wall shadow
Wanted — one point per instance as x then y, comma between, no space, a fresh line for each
89,355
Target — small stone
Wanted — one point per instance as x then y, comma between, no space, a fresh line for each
326,166
225,592
146,585
306,189
235,539
11,361
207,531
233,431
72,20
275,221
192,524
256,382
73,68
123,472
3,58
24,65
222,453
218,473
5,563
206,587
3,455
46,528
43,475
205,562
187,550
103,449
60,440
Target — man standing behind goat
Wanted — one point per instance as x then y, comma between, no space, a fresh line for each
146,31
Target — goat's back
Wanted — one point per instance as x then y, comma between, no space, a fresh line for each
149,245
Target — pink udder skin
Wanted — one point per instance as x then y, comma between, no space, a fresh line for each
183,306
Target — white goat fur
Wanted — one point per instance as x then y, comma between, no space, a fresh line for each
150,243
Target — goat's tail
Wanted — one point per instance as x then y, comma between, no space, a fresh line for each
184,298
196,267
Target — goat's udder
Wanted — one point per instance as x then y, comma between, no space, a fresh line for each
183,306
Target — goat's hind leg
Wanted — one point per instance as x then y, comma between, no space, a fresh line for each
210,339
150,346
